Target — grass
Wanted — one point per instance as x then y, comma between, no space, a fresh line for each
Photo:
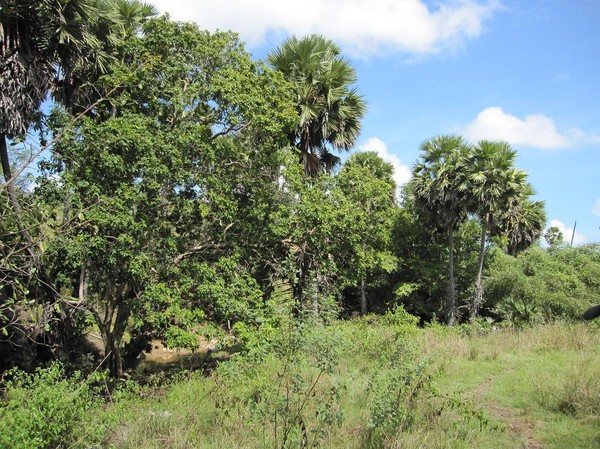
543,381
374,382
537,387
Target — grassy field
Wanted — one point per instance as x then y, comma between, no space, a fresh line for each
542,384
371,382
376,383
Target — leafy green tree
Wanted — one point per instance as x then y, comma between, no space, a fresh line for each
367,182
329,109
312,224
540,285
176,191
420,281
47,46
439,190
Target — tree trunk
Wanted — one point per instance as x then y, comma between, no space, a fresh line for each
363,288
451,317
14,200
478,290
112,335
363,297
301,284
114,362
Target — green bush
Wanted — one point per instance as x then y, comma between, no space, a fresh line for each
541,285
47,410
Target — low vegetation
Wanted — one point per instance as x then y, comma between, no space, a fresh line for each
374,381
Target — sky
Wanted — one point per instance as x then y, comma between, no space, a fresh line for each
526,72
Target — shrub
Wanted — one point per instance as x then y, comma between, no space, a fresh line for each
542,285
47,410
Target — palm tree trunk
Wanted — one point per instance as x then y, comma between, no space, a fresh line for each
478,290
451,318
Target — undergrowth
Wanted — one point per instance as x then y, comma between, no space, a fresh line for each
371,382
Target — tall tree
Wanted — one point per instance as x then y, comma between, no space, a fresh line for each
367,182
494,184
439,188
177,190
553,236
329,109
49,46
374,164
56,46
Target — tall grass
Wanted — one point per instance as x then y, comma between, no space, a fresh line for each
361,384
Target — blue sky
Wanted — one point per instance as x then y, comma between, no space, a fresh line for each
527,72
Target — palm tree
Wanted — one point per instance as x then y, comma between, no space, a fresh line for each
329,109
374,163
56,44
523,222
494,185
439,189
114,21
131,13
553,236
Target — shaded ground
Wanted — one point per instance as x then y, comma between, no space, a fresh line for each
160,359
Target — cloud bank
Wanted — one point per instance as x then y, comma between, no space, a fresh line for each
536,130
362,27
402,172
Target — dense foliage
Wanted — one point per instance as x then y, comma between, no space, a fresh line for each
541,285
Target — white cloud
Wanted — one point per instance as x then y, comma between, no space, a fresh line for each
578,239
577,136
402,172
536,130
596,208
363,27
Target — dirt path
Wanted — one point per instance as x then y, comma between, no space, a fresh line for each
517,425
